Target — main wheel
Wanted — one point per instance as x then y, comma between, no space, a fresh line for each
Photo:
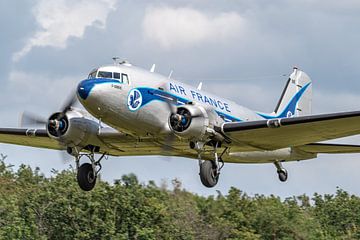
85,177
283,175
208,174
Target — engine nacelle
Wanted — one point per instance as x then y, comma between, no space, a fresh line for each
195,122
72,129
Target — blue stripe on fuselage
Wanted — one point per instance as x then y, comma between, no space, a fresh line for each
84,88
151,94
148,94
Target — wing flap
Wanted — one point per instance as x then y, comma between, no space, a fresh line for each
329,148
279,133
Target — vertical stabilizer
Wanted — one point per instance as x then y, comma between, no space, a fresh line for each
296,97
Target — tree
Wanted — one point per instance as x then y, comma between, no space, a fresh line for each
35,207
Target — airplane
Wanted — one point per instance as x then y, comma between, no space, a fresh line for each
130,111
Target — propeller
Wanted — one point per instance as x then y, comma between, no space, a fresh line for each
57,122
180,120
171,137
31,119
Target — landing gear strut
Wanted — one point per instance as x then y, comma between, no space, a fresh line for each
283,174
87,172
210,170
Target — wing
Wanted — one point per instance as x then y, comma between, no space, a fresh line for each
109,140
297,131
28,137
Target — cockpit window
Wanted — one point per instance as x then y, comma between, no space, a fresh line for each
122,77
125,78
92,74
116,75
102,74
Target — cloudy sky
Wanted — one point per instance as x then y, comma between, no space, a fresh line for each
239,49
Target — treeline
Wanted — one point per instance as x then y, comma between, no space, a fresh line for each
35,207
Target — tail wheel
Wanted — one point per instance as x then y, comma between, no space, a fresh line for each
209,175
86,177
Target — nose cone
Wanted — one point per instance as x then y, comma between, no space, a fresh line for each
84,88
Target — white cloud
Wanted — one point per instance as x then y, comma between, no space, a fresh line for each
59,20
183,27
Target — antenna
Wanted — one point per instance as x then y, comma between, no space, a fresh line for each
199,86
116,60
125,63
153,68
170,74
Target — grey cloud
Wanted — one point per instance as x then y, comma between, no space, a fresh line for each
16,23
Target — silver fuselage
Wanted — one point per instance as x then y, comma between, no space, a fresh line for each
139,103
108,100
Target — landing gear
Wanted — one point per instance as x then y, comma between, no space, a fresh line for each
87,172
86,177
210,170
209,174
283,174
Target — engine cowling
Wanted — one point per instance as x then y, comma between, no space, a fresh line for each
194,122
72,129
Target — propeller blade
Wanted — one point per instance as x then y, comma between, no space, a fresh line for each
170,100
171,104
167,148
31,119
169,142
69,102
65,157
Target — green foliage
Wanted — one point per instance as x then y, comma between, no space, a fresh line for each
35,207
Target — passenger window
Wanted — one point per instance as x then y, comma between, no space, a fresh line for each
125,78
116,75
102,74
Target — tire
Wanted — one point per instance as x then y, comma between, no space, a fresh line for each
85,177
283,175
208,175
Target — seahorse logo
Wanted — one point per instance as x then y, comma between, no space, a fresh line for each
134,100
289,114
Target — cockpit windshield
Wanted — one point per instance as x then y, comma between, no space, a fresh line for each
122,77
93,74
103,74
